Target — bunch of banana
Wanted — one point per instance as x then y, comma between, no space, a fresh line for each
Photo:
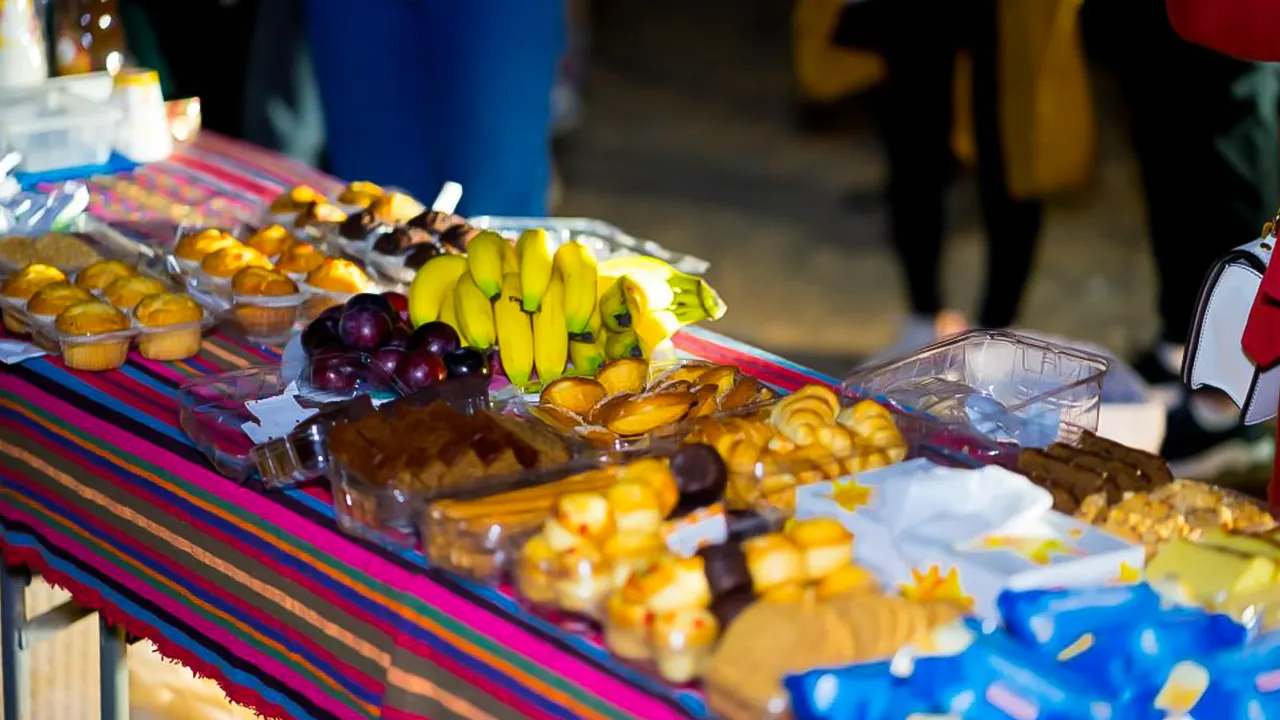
646,299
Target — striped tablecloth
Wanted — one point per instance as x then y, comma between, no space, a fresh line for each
104,495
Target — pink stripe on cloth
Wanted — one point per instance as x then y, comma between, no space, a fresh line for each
179,610
244,183
285,169
769,372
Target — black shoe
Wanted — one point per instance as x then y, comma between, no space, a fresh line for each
1200,454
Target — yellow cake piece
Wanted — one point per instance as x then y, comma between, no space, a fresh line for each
1262,546
1209,574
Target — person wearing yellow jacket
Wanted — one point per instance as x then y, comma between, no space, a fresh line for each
1002,81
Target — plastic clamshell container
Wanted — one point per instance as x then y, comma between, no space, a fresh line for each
212,411
57,129
1030,378
606,240
268,319
107,243
525,401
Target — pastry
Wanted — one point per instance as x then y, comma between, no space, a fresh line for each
266,302
271,240
628,375
339,276
419,254
457,236
170,326
225,263
359,194
626,627
582,580
399,240
81,325
824,545
673,583
700,474
317,214
874,427
65,251
773,560
532,573
799,415
578,518
127,292
25,283
361,226
726,568
434,221
682,643
17,251
849,579
102,273
630,553
50,300
636,508
656,472
300,259
194,247
574,394
294,200
395,208
1098,466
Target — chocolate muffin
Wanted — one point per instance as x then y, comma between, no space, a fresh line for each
400,240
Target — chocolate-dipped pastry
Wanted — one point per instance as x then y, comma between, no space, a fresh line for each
700,474
728,607
726,568
419,254
434,221
745,524
358,225
457,236
400,239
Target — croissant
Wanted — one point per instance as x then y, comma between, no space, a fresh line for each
874,428
800,415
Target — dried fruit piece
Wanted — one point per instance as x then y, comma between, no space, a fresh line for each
602,410
743,392
705,402
575,394
627,375
688,371
642,414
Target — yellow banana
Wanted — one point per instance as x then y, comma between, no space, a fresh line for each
449,309
515,333
577,265
510,260
484,260
612,306
550,335
587,357
534,252
619,345
430,285
475,314
690,298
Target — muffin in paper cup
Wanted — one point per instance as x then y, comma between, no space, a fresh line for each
169,327
266,304
93,336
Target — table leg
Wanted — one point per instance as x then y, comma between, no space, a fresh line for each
13,643
113,671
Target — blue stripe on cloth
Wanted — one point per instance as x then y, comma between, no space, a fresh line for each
62,376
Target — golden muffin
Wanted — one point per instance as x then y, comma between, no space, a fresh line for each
17,251
81,349
271,240
338,276
266,303
230,260
101,274
319,213
127,292
24,283
360,194
166,310
295,199
301,258
198,245
396,208
65,251
53,298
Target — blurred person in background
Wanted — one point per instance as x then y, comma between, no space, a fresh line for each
1206,129
1244,29
1024,57
418,93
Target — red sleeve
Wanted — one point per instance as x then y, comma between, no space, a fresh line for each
1243,28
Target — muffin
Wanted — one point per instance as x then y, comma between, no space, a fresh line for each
102,273
271,240
65,251
228,261
155,314
359,194
23,284
294,200
318,214
80,324
300,259
266,303
127,292
396,208
49,301
336,275
194,247
17,251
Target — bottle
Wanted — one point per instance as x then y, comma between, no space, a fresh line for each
89,37
144,134
23,62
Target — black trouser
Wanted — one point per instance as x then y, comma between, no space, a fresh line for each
1207,134
919,40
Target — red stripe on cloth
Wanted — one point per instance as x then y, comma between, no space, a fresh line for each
285,169
244,183
757,367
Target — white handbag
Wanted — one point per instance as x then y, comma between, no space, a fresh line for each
1214,357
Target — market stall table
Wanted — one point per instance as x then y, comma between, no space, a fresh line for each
104,495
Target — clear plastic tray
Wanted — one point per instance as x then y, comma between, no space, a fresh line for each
106,242
212,411
526,401
606,240
56,129
1040,385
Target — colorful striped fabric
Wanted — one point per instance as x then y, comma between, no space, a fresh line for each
103,493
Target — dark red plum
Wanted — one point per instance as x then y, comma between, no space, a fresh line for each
419,368
388,359
365,328
467,362
321,336
335,373
372,300
436,337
